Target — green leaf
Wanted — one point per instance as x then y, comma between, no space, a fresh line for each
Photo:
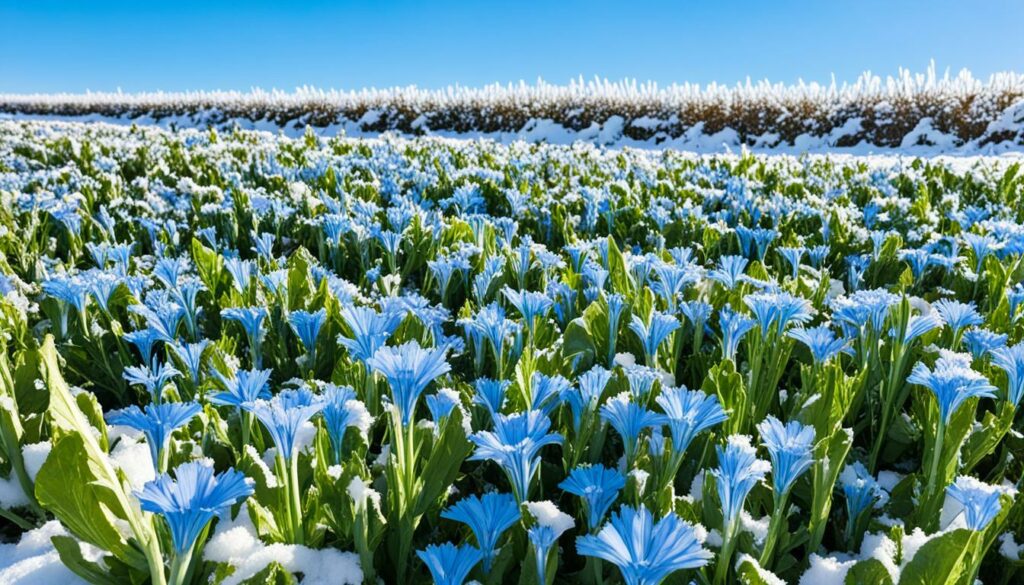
618,272
939,561
70,553
272,574
577,341
868,572
77,482
81,494
723,381
447,455
209,265
750,572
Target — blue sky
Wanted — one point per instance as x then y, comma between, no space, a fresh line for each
48,46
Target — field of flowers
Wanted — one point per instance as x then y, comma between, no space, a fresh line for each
237,358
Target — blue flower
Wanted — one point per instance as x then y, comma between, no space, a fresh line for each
739,470
645,551
191,355
514,445
1011,361
821,341
863,311
790,447
450,564
169,270
653,334
585,397
244,387
490,394
793,257
861,490
409,369
697,313
490,324
981,342
143,340
545,392
188,502
531,305
778,309
544,534
957,315
729,271
241,272
307,327
152,379
616,304
598,487
283,414
162,315
735,327
156,422
341,411
919,325
370,330
488,517
263,245
953,382
641,381
68,290
981,246
689,412
251,319
981,502
672,282
441,404
817,255
918,259
629,420
1015,298
186,295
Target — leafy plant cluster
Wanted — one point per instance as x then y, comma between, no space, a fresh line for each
464,361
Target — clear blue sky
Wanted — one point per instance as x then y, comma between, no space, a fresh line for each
48,46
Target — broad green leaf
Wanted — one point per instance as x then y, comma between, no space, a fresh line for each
750,572
70,553
78,491
272,574
939,561
868,572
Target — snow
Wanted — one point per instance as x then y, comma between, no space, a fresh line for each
235,542
758,528
11,494
360,491
361,418
766,575
547,514
697,487
268,475
33,560
34,456
889,479
826,571
1008,547
134,460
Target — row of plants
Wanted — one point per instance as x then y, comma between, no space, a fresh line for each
436,360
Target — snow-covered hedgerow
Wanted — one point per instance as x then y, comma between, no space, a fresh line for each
906,110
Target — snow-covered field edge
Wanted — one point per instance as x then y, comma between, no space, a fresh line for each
914,114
